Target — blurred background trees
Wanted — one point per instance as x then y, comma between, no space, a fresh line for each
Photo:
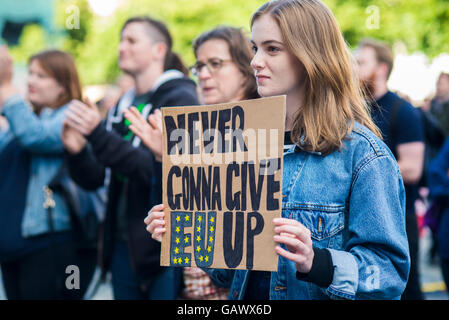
90,29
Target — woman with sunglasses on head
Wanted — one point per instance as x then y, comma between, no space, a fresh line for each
342,232
224,75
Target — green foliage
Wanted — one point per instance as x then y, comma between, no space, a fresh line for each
422,25
31,41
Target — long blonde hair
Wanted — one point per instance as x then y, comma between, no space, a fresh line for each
333,97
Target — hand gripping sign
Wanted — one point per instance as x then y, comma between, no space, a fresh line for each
222,182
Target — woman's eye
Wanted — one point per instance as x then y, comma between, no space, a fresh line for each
254,49
215,64
199,66
273,49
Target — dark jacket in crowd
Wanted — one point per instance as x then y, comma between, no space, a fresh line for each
134,168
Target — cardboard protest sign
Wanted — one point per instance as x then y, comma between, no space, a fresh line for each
222,182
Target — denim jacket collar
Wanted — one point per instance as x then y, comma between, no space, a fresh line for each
298,147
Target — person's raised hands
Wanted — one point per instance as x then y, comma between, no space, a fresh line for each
72,139
6,66
83,117
6,73
149,132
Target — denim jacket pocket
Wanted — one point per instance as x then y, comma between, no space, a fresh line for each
324,221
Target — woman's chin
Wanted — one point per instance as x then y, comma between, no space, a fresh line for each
264,92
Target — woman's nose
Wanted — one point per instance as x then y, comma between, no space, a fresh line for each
257,62
204,73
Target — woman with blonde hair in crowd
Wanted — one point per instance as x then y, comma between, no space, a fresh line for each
342,232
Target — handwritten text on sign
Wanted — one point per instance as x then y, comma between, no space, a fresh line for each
222,179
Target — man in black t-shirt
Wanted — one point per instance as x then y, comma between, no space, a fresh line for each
401,127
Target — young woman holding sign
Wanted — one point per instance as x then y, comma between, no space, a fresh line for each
342,231
224,74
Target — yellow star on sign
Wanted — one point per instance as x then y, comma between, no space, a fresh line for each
186,239
178,219
198,238
177,230
175,261
198,229
209,249
211,239
211,229
200,218
198,248
187,218
186,260
179,260
177,240
207,258
201,258
212,219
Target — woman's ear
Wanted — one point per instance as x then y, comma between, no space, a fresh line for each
61,90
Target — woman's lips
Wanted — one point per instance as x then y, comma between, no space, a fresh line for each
260,78
208,89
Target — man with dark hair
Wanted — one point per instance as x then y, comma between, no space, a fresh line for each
401,127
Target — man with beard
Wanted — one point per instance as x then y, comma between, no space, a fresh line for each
401,127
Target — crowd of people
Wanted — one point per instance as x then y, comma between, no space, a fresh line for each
63,161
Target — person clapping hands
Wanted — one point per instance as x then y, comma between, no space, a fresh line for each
149,132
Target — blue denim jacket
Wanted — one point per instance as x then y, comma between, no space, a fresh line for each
41,135
353,202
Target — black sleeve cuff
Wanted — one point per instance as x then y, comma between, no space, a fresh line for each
97,133
322,271
76,157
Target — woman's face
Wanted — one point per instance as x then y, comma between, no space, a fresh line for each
43,90
277,70
220,80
